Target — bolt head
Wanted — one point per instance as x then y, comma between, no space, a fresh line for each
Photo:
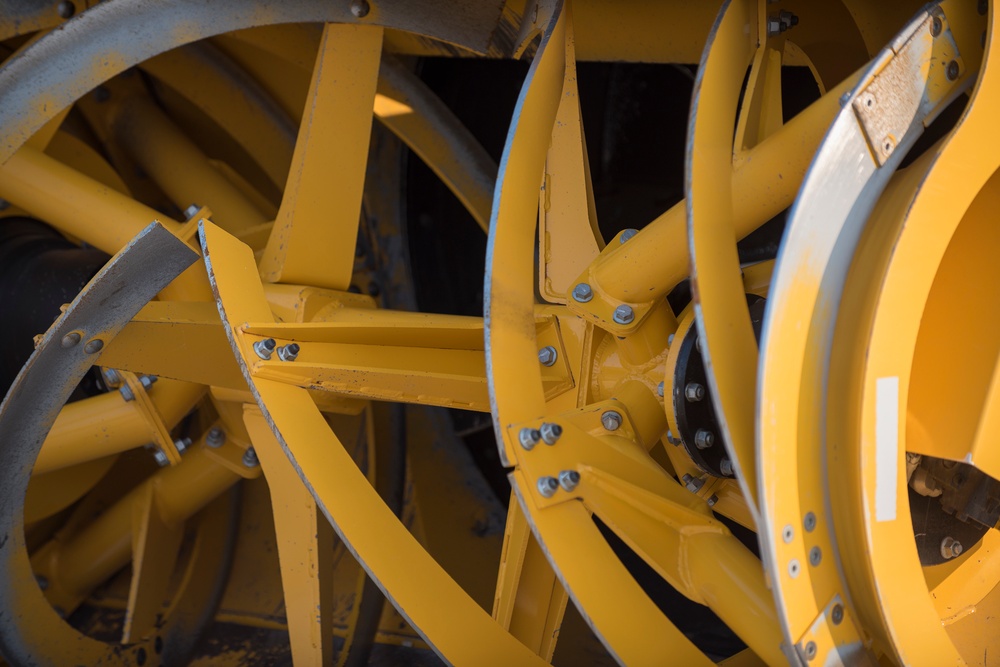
713,500
288,352
627,234
547,486
529,437
704,439
93,346
624,314
809,522
694,484
810,650
568,479
547,355
659,390
66,9
583,293
264,348
161,458
815,556
950,548
216,437
694,392
250,458
726,467
182,444
191,211
360,8
612,420
550,433
126,393
71,339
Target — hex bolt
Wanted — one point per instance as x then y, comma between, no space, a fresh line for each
66,9
952,71
583,293
547,486
726,467
568,479
612,420
550,433
810,650
837,614
288,352
694,484
686,478
250,458
951,548
182,445
788,19
215,437
659,390
694,392
360,8
623,314
704,439
161,458
191,211
529,437
713,500
111,377
147,380
775,26
71,339
627,234
93,346
265,348
547,355
815,556
126,392
809,522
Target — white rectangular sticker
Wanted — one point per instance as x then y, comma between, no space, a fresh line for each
886,447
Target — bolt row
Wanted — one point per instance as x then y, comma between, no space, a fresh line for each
267,347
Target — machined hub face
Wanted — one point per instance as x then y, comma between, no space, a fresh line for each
801,460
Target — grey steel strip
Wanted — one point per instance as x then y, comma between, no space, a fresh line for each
134,276
107,39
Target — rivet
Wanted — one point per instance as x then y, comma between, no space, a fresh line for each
360,8
71,339
66,9
793,568
936,26
787,533
726,467
93,346
809,522
547,355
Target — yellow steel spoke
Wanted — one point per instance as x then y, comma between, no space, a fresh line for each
305,549
530,601
314,237
103,425
224,92
155,545
622,615
568,236
725,331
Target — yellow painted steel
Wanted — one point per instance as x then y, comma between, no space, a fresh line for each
314,236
